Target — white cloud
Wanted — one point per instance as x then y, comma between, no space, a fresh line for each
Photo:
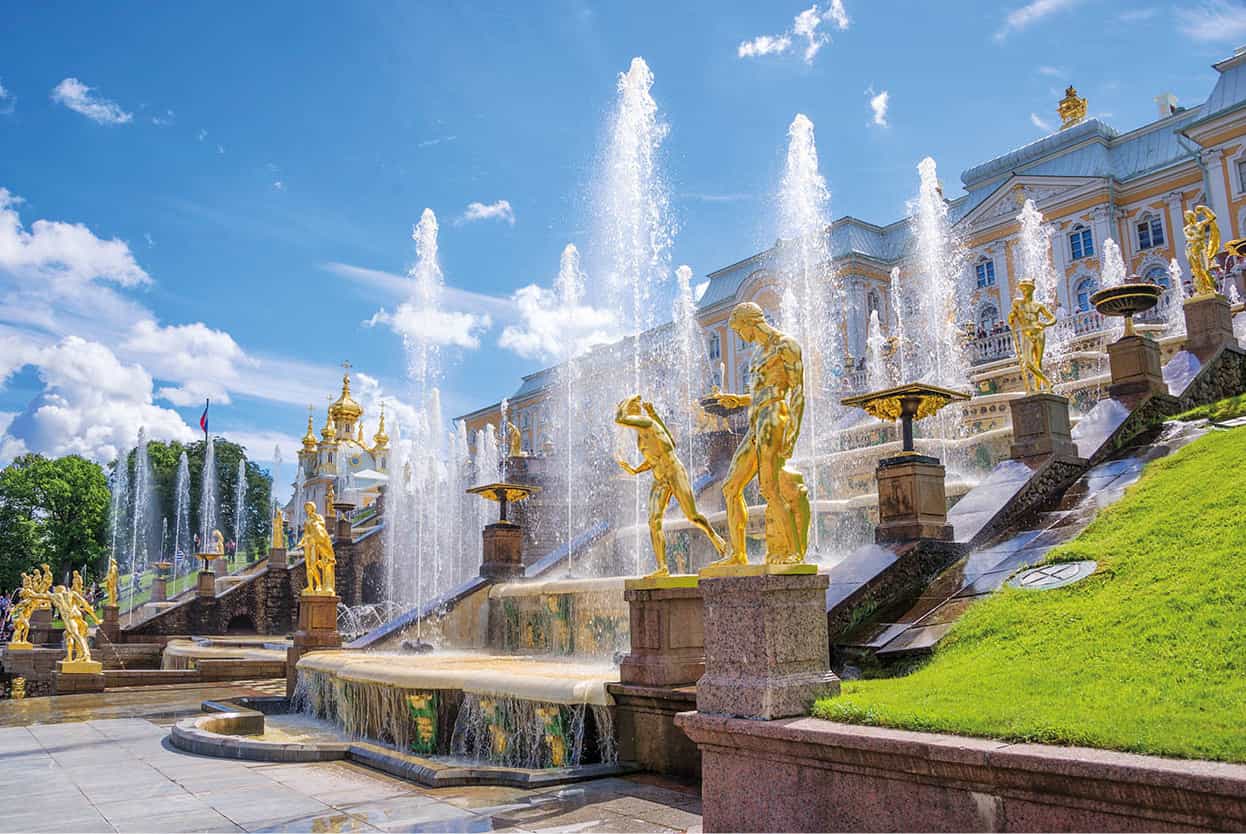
278,185
438,327
1041,123
1214,21
92,404
8,101
1051,72
764,45
878,105
499,210
164,119
206,362
202,134
78,97
1031,13
807,25
220,149
399,287
553,322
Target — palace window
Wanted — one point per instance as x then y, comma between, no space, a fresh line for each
716,347
1150,232
988,318
1241,174
985,271
1081,242
1084,290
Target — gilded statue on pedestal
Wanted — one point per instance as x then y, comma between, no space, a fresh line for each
279,530
110,581
1072,108
1029,320
670,478
776,405
73,609
29,600
318,554
515,440
1202,243
218,543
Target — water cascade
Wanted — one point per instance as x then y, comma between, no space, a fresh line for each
120,505
183,558
208,503
1175,311
141,512
569,287
897,326
240,503
875,367
815,291
692,366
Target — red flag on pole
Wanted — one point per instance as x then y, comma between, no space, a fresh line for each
203,420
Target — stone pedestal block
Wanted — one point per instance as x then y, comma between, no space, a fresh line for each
667,636
644,723
502,551
78,676
912,500
341,528
41,630
110,627
1208,325
1041,428
159,589
1135,367
277,557
766,651
317,630
207,584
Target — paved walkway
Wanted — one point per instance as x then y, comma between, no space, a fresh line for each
117,772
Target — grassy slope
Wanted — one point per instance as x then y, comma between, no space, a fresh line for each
1226,409
1148,655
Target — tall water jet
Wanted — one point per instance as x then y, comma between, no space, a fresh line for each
183,557
120,506
275,480
877,377
1111,274
1175,311
141,511
804,259
635,234
504,422
240,504
897,324
208,502
692,366
1035,254
569,287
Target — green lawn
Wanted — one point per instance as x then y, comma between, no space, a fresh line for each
1148,655
1225,409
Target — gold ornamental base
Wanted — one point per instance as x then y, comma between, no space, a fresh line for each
79,667
650,583
20,646
711,571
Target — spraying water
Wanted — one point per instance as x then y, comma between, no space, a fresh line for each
141,512
208,503
276,479
897,327
1035,252
1175,312
569,287
181,517
240,502
876,371
691,365
120,505
1112,274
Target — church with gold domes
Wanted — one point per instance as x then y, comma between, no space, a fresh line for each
341,459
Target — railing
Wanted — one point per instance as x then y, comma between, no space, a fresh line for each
1082,323
991,347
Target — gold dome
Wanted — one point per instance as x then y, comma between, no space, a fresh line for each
328,433
345,409
380,439
309,439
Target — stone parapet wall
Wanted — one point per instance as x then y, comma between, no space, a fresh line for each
804,774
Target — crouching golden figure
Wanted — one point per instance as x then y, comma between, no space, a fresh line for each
776,406
670,478
317,554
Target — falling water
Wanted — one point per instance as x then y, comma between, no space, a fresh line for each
141,511
240,503
296,523
1035,254
120,506
569,287
692,366
634,235
181,517
275,481
1175,312
815,290
208,503
504,423
1112,274
897,327
876,370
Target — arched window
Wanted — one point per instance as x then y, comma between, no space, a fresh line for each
1150,230
1084,290
716,347
988,317
873,302
1158,275
1081,242
985,270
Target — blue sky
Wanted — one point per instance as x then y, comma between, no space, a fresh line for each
180,180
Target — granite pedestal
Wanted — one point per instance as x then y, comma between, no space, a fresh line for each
1208,324
75,676
41,630
1136,367
110,626
912,500
207,584
766,651
159,589
317,630
277,557
667,632
501,551
341,528
1041,428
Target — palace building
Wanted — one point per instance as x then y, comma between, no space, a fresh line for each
1090,181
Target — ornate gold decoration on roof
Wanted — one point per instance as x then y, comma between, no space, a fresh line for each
328,434
380,439
1072,108
309,439
345,409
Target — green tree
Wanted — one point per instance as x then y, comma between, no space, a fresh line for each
53,511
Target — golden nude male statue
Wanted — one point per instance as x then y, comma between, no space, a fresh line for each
670,479
73,610
110,581
1029,320
317,553
279,530
27,604
776,405
1202,243
515,441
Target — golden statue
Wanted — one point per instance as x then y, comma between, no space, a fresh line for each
1029,320
516,440
28,602
73,609
110,581
218,543
279,530
1202,243
776,405
1072,109
317,554
329,498
657,450
75,582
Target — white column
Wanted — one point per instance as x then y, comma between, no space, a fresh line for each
1176,223
1218,198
